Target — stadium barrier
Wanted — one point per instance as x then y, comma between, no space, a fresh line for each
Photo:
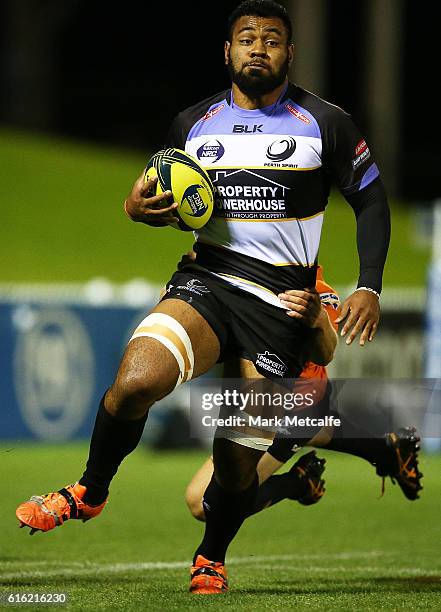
61,346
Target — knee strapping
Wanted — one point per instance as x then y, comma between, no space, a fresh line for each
173,336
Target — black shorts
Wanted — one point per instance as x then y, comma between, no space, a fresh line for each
245,325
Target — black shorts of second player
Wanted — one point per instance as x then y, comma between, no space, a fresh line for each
245,325
286,442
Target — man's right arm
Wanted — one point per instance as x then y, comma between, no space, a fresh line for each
324,341
140,205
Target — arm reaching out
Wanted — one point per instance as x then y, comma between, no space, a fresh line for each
307,308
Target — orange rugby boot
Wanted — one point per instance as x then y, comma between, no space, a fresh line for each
44,512
309,469
402,465
208,577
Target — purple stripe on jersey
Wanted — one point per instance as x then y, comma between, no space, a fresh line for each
287,117
370,175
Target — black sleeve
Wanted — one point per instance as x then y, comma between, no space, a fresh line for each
346,155
282,449
349,162
176,134
185,120
373,232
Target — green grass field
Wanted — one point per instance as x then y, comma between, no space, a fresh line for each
352,551
62,221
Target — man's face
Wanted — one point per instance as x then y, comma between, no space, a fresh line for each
259,54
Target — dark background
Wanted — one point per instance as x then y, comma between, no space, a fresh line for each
118,73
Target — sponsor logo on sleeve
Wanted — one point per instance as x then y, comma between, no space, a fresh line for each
211,113
362,146
362,154
294,111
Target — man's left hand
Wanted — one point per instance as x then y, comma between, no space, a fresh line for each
361,313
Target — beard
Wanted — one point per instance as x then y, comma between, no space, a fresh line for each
255,84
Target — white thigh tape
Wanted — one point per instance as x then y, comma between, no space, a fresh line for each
261,444
173,336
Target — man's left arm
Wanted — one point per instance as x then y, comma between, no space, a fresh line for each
350,163
361,310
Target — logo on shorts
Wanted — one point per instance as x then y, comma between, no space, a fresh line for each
272,363
194,286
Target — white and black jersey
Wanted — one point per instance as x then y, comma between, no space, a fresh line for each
272,169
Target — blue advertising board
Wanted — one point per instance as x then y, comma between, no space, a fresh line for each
55,364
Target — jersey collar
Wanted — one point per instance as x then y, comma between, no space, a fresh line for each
257,112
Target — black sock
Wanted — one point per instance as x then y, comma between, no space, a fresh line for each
112,440
225,512
276,488
373,450
347,440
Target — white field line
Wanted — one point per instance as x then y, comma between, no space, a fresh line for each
249,559
267,562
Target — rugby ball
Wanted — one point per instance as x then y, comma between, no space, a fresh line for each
189,183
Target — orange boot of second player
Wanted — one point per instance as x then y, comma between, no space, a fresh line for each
44,512
208,577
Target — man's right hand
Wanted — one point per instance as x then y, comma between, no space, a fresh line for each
142,207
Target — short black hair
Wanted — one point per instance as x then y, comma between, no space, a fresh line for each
260,8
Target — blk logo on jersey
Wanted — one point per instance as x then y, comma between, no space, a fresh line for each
212,151
281,149
247,129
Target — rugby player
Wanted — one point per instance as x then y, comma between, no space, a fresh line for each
395,454
303,482
279,149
